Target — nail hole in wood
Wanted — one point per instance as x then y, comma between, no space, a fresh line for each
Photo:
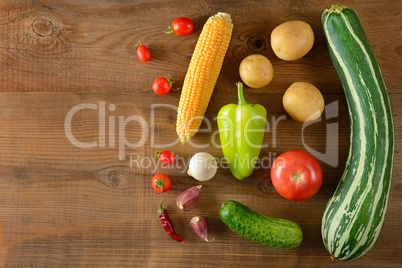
256,44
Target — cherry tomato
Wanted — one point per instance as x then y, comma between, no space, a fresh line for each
143,52
166,157
161,183
181,26
296,175
162,85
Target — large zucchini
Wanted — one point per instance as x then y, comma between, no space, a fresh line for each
355,214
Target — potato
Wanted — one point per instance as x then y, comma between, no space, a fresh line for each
256,71
303,102
292,40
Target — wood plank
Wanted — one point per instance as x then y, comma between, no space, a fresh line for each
61,202
91,48
67,206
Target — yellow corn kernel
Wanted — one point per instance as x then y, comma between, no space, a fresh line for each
202,74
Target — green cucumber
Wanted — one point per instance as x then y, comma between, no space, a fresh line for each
355,214
259,228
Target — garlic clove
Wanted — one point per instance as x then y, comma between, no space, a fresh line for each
187,199
199,225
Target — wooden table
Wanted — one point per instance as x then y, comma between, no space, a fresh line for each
75,193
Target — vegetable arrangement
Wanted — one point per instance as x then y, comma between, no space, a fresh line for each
354,216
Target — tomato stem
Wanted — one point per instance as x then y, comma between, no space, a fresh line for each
160,183
139,43
297,177
170,81
169,30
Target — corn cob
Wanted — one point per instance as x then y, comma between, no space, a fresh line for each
202,74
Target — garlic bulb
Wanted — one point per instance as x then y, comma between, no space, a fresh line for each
202,167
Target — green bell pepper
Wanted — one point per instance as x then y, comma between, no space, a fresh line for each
241,132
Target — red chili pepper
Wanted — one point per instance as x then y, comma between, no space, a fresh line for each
167,224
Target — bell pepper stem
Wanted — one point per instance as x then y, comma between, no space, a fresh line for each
240,93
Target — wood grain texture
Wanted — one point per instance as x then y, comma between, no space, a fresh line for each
65,206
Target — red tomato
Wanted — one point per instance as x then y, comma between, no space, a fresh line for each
182,26
296,175
162,85
161,183
143,52
166,157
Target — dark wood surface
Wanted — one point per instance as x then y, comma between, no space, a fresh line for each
64,206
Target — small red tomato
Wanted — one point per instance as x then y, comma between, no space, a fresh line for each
181,26
296,175
143,52
162,85
166,157
161,183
